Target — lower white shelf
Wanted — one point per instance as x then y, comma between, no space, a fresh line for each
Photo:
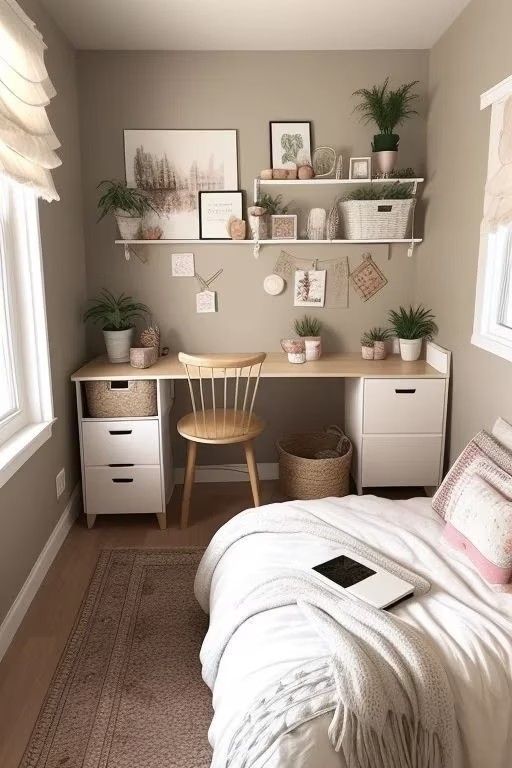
266,242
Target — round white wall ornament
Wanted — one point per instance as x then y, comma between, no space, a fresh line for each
273,285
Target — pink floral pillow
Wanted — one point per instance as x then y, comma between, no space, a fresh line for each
481,526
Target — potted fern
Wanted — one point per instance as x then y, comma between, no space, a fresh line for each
309,329
377,338
411,326
128,206
117,317
386,108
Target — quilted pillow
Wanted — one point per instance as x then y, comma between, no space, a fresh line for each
483,455
502,431
481,526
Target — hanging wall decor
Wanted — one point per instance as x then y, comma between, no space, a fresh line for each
309,288
182,265
273,285
367,278
337,275
206,300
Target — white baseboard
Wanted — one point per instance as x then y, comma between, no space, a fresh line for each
34,580
227,473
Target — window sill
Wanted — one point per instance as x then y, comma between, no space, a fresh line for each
491,344
21,446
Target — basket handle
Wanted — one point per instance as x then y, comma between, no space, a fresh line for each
384,208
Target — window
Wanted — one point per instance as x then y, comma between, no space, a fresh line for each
493,307
26,411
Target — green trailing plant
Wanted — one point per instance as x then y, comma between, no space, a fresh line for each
379,334
308,326
403,173
386,108
117,196
384,192
413,323
115,313
272,204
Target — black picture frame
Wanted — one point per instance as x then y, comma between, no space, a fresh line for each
202,196
288,122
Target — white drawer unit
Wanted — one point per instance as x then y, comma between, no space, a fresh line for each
120,442
397,425
127,462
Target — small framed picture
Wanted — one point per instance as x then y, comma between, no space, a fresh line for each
215,211
290,142
360,168
309,288
284,226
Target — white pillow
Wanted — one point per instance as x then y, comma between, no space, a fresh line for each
502,431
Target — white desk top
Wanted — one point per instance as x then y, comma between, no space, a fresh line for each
334,366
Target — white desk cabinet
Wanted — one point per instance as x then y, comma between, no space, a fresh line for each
127,462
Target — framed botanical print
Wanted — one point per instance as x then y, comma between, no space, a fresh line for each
215,211
290,143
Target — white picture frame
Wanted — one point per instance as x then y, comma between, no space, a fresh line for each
360,169
173,166
309,288
283,226
215,211
290,143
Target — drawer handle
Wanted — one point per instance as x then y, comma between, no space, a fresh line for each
120,431
122,479
405,391
125,464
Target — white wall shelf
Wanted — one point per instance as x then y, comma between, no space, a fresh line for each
311,182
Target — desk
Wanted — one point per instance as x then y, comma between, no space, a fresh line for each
395,415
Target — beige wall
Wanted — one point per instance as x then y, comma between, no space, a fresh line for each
244,91
472,56
28,506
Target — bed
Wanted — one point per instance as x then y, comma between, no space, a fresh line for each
468,623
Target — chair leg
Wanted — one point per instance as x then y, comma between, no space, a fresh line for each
189,479
253,472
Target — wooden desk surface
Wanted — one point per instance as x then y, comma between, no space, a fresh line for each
336,366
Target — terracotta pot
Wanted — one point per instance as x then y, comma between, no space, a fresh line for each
379,350
367,353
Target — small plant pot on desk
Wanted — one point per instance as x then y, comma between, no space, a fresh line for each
410,349
118,345
313,348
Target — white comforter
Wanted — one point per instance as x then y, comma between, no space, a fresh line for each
470,624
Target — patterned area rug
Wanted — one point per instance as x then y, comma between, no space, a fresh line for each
128,691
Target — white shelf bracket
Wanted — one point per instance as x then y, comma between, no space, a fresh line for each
129,251
256,249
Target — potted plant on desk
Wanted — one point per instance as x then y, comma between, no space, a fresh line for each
375,339
117,317
309,329
411,326
128,206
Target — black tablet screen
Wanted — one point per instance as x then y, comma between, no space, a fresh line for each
344,571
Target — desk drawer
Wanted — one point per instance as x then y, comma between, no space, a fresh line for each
401,460
120,442
403,406
123,490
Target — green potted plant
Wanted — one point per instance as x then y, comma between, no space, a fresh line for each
309,329
259,213
117,317
411,326
386,108
379,337
128,206
367,347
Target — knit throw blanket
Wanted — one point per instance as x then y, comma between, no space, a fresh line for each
391,699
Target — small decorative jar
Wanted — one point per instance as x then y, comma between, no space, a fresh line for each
295,349
313,347
379,350
367,353
143,357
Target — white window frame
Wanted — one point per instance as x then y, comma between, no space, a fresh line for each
488,333
30,425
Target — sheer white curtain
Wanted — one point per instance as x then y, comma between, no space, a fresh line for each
27,140
498,188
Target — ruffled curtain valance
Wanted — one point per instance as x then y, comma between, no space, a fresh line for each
498,188
27,141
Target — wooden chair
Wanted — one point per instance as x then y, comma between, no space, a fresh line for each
222,423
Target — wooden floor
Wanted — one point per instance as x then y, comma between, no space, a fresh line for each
27,667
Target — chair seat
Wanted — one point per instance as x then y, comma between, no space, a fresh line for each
220,427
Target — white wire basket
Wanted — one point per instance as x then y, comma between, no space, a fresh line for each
376,219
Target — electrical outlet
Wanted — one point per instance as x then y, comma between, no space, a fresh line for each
60,482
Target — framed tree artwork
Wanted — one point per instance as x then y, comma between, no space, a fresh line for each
309,288
173,166
290,143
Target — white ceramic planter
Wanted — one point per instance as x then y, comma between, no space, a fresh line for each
410,349
385,161
313,348
130,227
118,345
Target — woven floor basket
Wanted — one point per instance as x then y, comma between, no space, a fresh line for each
137,399
376,219
304,477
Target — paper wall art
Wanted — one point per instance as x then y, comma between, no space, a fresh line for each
290,144
367,278
182,265
173,166
284,226
309,288
206,301
215,211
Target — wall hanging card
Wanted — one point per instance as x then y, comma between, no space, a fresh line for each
367,278
182,264
337,283
309,288
206,301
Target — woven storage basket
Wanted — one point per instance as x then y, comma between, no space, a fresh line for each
376,219
304,477
121,399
